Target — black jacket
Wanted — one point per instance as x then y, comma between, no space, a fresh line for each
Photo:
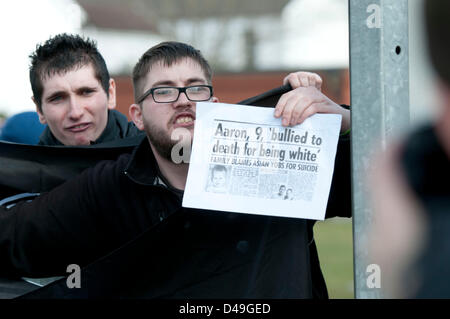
179,253
116,128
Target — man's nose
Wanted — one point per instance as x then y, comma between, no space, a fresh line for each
182,100
75,109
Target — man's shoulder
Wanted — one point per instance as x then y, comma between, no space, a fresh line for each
112,166
117,128
132,130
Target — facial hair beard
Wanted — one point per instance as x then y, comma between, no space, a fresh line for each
160,140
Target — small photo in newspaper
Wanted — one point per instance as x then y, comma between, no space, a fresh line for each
218,179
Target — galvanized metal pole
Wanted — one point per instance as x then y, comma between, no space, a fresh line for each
380,105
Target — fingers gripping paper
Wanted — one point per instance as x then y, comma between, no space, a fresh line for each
244,161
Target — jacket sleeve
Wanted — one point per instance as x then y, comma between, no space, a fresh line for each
340,199
62,227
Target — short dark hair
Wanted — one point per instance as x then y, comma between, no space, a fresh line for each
437,24
63,53
168,53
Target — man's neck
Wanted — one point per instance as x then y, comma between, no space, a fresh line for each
175,174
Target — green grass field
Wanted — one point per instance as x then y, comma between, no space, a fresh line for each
334,244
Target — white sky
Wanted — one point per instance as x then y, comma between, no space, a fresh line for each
316,34
23,24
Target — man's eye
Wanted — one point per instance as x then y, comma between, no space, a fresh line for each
56,98
196,89
88,91
163,92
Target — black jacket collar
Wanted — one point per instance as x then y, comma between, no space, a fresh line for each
142,167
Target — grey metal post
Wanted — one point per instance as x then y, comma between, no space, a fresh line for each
380,105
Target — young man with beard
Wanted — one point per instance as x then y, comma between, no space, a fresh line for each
183,253
154,79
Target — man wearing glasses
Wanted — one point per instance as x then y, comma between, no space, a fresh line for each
183,253
166,87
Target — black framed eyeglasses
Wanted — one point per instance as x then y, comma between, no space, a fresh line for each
168,94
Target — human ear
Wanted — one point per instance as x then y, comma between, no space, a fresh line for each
112,94
135,113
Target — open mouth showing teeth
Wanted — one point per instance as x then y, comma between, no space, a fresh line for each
184,119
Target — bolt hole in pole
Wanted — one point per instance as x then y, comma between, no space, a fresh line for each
398,50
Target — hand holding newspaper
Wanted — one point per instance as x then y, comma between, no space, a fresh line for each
244,161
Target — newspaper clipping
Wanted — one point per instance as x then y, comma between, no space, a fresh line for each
244,161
